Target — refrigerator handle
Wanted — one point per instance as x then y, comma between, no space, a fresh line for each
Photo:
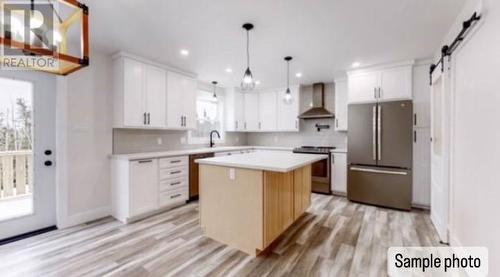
360,169
374,133
379,133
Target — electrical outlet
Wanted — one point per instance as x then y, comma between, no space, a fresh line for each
232,174
159,141
183,140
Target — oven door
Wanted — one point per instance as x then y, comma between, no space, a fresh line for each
320,172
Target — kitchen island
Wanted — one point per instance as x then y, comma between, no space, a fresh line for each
247,201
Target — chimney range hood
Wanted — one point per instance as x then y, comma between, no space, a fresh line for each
318,109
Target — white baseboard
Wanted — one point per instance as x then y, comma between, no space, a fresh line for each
84,217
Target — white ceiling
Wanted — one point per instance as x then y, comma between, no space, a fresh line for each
324,36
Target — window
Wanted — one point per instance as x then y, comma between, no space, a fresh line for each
209,116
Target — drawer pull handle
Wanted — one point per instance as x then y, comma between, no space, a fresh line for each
176,161
175,172
145,161
175,183
175,196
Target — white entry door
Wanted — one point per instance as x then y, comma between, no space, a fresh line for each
440,189
27,152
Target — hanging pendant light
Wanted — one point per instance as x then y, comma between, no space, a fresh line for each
214,96
288,94
248,82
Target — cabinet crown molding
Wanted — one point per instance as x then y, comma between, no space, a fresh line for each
123,54
380,67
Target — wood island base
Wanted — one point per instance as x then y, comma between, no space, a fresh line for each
248,209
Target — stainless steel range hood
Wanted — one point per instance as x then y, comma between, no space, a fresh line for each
318,109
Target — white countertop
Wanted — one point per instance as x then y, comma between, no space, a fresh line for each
279,162
183,152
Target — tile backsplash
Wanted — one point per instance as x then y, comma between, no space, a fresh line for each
127,141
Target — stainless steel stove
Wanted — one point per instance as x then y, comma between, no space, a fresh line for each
321,170
313,149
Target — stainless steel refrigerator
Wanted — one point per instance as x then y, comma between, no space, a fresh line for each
380,154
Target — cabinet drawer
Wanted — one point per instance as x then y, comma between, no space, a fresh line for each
174,172
171,197
173,184
173,162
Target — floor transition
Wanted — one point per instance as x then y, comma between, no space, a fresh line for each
336,238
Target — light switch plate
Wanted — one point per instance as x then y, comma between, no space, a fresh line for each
232,174
159,141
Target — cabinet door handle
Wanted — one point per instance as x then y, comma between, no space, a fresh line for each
415,119
245,125
175,183
145,161
336,123
176,161
175,196
415,136
175,172
296,124
379,92
144,118
259,125
235,125
375,92
149,119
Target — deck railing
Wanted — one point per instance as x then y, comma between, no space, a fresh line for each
16,173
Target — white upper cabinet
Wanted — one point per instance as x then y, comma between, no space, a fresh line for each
396,83
155,96
288,112
181,101
139,94
363,87
251,111
235,110
341,105
148,96
381,84
268,114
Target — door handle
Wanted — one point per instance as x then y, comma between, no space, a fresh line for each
374,133
144,118
379,132
175,172
149,119
175,183
378,171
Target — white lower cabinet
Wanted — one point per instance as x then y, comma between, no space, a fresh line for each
143,187
339,173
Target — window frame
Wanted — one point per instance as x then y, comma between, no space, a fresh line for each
205,140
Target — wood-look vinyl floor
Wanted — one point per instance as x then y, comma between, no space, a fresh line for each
335,238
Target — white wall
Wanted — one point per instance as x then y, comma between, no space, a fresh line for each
475,161
84,138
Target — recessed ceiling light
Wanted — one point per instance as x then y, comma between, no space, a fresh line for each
184,52
229,70
298,74
257,82
356,64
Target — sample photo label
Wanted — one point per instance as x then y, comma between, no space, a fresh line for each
437,261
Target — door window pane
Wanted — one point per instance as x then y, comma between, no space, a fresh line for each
16,144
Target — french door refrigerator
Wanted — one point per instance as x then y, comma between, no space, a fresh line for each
380,154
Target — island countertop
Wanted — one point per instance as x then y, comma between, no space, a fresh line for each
278,162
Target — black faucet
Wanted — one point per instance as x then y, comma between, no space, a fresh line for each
212,143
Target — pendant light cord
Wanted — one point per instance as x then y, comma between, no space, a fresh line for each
248,49
288,74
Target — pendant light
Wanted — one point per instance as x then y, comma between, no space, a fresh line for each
248,82
214,96
288,94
